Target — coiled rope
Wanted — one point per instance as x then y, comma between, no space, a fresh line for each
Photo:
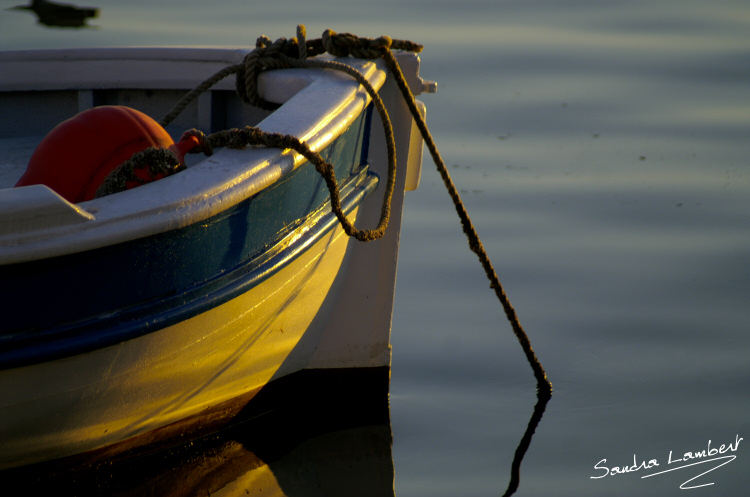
296,52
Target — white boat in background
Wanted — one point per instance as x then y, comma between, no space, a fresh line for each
141,315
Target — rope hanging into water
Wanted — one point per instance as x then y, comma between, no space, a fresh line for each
475,244
295,52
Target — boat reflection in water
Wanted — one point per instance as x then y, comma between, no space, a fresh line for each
314,433
60,15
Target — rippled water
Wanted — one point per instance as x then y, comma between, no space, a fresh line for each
602,148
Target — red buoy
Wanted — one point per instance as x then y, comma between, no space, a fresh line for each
78,154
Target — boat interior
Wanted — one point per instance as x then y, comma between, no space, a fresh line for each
35,113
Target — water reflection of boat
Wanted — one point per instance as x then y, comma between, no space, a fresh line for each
162,310
60,14
320,433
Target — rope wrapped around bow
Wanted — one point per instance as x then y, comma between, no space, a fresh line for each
290,52
297,52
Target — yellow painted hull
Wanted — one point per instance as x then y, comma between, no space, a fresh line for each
81,403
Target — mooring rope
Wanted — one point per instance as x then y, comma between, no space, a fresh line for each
295,52
249,135
475,243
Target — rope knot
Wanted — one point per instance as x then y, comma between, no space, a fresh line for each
345,44
204,145
267,55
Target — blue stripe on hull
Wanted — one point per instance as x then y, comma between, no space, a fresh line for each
66,305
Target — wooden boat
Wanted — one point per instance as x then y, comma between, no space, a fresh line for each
140,315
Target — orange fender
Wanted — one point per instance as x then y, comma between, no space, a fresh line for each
78,154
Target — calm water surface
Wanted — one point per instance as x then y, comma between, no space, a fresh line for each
602,148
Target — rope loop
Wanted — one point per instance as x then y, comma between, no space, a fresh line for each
266,56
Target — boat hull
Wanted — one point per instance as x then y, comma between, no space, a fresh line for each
133,314
79,403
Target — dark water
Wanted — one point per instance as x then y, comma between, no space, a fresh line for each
602,148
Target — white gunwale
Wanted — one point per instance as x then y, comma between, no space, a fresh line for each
215,183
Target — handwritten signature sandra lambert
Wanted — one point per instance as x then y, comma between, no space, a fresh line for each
721,455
